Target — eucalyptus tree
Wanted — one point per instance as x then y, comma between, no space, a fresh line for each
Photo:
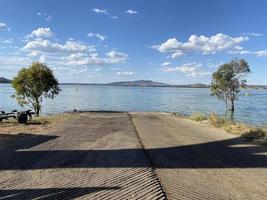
227,81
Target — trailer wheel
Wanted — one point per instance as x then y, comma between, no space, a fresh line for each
22,118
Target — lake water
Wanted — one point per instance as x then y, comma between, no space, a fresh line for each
250,109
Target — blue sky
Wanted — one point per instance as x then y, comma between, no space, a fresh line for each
163,40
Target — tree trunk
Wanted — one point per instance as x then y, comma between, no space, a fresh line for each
37,112
226,105
232,106
37,107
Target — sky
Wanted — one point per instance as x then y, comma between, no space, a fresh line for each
96,41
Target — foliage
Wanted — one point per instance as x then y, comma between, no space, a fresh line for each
215,120
33,84
228,79
198,117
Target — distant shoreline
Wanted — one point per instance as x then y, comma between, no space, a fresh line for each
147,83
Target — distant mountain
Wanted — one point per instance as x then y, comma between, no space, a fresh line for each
4,80
139,83
256,87
149,83
195,85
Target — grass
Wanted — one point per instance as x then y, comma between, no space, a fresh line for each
198,117
252,134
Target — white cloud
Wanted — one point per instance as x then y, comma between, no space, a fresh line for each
46,17
131,12
105,12
42,45
214,65
261,53
177,54
242,51
200,44
101,11
97,35
165,64
189,69
125,73
41,32
6,41
115,55
253,34
79,59
43,59
2,25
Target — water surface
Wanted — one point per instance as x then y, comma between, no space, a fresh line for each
250,109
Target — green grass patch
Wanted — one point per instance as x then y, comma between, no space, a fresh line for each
198,117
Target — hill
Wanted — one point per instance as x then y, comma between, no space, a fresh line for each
149,83
139,83
4,80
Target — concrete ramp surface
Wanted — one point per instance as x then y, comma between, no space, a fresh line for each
132,156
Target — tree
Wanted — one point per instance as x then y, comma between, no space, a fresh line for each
33,84
227,81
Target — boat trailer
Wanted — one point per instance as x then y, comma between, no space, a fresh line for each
22,117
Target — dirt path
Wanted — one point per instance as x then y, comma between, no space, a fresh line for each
196,162
102,156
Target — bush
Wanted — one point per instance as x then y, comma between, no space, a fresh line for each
254,134
216,121
198,117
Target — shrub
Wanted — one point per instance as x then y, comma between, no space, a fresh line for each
198,117
216,121
254,134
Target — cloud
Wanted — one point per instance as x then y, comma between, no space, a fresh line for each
46,46
101,11
43,59
177,54
242,51
125,73
131,12
80,59
261,53
253,34
3,26
46,17
105,12
41,33
189,69
97,35
199,44
214,65
6,41
165,64
117,55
